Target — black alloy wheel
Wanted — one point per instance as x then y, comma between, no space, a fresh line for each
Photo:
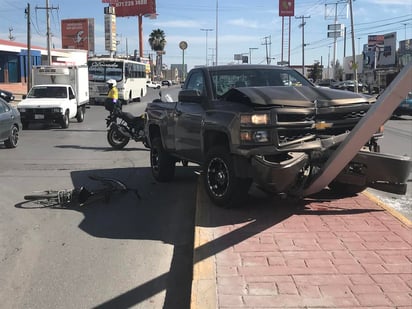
221,183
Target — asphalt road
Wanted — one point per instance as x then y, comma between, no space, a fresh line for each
127,253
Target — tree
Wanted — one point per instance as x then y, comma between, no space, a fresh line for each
315,72
157,41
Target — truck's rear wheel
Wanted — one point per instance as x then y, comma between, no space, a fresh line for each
222,185
80,113
65,120
162,164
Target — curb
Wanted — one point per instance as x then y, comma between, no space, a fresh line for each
389,209
204,286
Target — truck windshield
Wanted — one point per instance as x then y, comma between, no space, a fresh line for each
48,92
223,81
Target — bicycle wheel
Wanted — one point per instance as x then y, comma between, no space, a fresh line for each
44,195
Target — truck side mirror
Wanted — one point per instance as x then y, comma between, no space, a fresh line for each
189,95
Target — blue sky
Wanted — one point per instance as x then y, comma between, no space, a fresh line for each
242,27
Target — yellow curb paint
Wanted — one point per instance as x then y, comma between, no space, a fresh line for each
389,209
204,288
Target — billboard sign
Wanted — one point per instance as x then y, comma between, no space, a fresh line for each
286,7
126,8
380,52
78,34
110,32
387,54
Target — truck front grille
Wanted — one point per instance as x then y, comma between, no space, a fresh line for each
294,125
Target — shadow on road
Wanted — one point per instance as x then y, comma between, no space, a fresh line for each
162,214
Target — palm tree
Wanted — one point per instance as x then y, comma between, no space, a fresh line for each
157,41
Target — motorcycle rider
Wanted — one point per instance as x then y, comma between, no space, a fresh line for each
112,95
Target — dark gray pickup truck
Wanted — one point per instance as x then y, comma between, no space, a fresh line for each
268,125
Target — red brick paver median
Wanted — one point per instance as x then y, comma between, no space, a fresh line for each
327,253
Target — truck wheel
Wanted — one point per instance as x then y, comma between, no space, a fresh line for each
65,121
11,142
80,114
223,187
162,164
345,188
116,139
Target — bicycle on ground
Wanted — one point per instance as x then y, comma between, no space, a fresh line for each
81,195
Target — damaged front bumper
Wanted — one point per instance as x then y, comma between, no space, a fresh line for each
383,172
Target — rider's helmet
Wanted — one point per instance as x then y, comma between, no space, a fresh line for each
111,83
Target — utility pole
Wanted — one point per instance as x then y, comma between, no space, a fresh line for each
302,25
28,72
335,28
206,30
47,8
267,43
354,64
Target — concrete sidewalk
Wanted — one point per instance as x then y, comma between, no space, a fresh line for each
323,252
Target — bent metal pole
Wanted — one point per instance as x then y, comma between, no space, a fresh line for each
377,115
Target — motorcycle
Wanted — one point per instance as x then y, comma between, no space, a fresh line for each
129,127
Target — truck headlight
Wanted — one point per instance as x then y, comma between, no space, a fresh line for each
56,110
260,136
21,110
254,119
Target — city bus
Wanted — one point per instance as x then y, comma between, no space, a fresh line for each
130,77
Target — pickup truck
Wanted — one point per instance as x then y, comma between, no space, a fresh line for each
50,103
268,125
59,93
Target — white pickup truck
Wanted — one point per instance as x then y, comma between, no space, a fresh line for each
59,93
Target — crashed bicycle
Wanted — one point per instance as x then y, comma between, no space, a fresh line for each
81,195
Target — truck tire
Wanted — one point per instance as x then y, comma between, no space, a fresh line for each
80,113
224,188
65,120
162,164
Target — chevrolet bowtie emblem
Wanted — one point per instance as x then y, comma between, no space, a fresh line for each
322,125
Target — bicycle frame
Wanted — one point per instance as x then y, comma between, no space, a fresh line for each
82,195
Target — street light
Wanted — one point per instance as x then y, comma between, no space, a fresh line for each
206,30
250,53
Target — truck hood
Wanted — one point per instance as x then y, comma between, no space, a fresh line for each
41,102
295,96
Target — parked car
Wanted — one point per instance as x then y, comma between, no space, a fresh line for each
10,124
151,84
405,107
329,82
348,85
166,83
6,95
